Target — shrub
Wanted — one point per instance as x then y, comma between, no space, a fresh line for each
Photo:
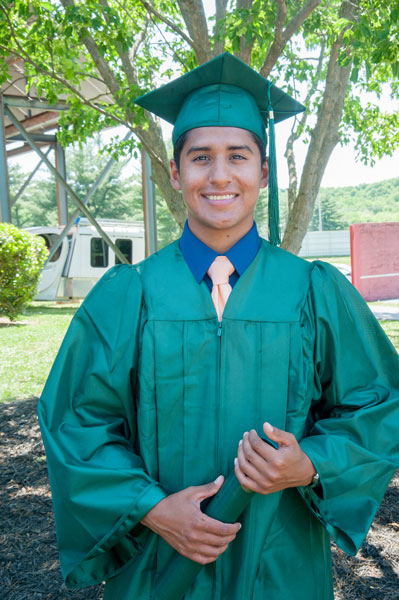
22,256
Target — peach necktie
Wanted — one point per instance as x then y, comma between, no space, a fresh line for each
219,272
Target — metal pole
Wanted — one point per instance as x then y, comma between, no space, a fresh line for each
36,137
149,205
28,180
24,102
62,200
67,187
85,201
5,209
320,219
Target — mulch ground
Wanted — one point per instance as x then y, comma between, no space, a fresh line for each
29,567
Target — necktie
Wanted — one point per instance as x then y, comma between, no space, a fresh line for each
220,271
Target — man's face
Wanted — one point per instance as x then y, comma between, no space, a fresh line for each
220,178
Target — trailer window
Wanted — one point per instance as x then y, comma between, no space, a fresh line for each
98,253
126,247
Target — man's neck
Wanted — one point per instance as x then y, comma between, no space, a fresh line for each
220,240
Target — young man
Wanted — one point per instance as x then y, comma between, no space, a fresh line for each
173,369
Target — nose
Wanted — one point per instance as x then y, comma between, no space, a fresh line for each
220,172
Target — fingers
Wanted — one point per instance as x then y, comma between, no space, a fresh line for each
278,435
220,529
255,463
207,554
254,451
201,535
250,468
207,539
200,492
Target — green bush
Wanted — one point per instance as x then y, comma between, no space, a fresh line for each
22,256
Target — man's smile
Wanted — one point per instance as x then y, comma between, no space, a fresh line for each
219,197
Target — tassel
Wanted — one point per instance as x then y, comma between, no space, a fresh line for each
274,229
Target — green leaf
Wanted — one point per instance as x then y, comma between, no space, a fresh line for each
46,5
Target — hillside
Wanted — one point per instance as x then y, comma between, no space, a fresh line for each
366,203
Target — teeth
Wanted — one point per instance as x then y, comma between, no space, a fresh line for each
219,197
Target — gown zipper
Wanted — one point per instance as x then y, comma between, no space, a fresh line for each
219,399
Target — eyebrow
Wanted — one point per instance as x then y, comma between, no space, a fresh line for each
198,149
208,149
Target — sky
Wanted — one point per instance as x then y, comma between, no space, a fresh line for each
342,169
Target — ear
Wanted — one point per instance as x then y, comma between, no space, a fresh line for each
265,174
174,175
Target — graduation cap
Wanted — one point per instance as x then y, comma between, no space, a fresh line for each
226,92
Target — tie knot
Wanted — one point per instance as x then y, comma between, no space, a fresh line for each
220,270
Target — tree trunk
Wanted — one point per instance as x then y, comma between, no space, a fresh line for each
154,144
324,138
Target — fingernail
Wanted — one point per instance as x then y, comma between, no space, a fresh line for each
240,442
218,479
268,426
235,461
245,434
239,526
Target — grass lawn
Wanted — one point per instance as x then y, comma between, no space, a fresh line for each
392,330
29,346
344,260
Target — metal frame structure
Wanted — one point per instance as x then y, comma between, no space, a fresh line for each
35,118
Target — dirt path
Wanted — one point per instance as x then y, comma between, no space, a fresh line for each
28,554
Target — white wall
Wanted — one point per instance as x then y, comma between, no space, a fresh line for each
326,243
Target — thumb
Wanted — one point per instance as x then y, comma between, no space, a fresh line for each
209,489
283,438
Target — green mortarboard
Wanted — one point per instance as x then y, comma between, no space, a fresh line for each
226,92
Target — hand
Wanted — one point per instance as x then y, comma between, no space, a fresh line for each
178,519
261,468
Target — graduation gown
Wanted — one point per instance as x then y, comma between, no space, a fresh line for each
149,395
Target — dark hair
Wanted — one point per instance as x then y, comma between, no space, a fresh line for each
178,147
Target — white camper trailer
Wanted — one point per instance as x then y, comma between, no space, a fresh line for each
83,257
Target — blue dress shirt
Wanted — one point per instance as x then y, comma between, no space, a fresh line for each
199,256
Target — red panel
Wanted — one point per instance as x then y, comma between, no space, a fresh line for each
375,260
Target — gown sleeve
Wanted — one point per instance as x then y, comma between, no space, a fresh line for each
100,486
353,433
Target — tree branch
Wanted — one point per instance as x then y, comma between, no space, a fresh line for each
245,49
123,55
296,132
324,137
170,24
194,17
139,40
25,57
282,37
109,79
221,6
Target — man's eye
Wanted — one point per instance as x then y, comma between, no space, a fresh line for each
201,157
238,157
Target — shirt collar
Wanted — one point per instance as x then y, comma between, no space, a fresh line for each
199,256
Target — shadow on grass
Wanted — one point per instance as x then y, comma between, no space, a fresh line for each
51,310
13,323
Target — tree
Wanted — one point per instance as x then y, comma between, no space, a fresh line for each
115,198
331,217
22,257
331,50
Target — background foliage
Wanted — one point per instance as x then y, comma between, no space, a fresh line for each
329,53
119,197
22,257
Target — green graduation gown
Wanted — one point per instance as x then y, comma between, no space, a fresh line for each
148,396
